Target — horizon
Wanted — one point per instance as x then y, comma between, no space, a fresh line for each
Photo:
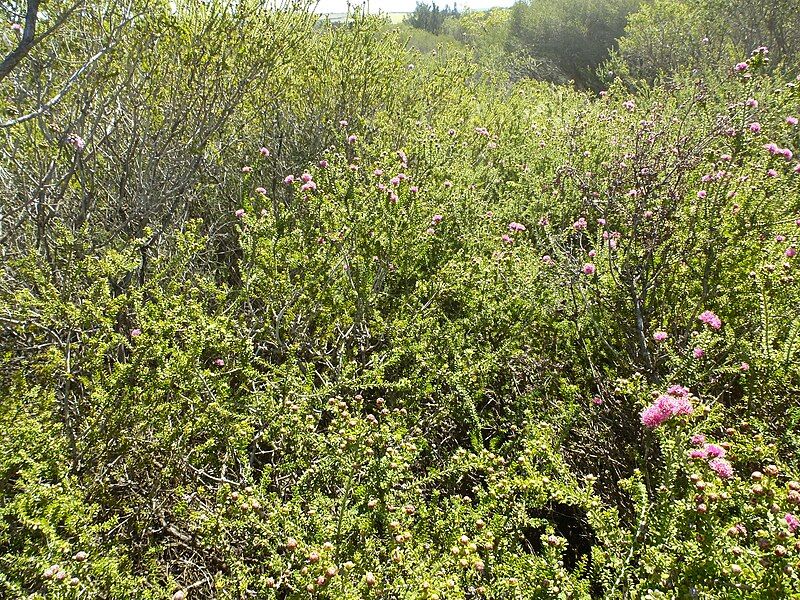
404,6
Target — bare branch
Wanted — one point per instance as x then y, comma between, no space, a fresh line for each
29,39
64,89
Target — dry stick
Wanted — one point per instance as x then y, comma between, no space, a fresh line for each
57,98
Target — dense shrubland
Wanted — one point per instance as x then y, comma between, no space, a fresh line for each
291,310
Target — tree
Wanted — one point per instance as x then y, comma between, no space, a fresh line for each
430,17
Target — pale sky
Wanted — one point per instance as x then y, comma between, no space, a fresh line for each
391,6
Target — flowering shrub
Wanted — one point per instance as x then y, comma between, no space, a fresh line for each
432,338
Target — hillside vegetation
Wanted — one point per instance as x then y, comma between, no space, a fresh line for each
292,309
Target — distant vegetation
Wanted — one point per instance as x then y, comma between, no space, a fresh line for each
592,42
430,17
501,305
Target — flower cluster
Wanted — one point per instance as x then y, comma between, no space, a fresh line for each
710,319
673,403
714,454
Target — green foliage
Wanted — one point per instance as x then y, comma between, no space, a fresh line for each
430,17
566,40
668,36
421,344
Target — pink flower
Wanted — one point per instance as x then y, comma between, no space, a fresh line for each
772,173
772,148
698,352
740,67
323,164
514,226
792,522
308,186
544,221
246,169
601,222
654,415
395,181
16,27
682,406
786,153
698,439
754,127
702,194
289,180
264,151
629,104
343,123
666,406
660,336
697,454
710,319
507,238
780,238
548,260
592,253
219,362
744,366
261,191
580,224
136,332
351,139
597,400
721,467
791,252
714,451
588,269
413,189
792,121
76,141
726,157
239,213
437,219
751,103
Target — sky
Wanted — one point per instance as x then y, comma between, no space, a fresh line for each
338,6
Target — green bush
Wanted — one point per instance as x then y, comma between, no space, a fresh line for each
393,326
